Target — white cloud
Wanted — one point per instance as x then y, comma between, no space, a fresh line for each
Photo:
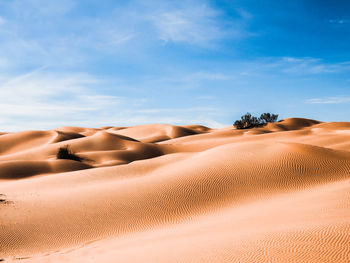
39,97
194,23
329,100
190,25
38,84
44,100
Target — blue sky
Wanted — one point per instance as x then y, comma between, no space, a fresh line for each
94,63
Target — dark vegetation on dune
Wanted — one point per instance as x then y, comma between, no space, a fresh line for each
66,153
3,200
248,121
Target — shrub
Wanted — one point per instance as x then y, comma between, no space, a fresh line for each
268,117
248,121
66,153
3,200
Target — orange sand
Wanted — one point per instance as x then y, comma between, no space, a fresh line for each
163,193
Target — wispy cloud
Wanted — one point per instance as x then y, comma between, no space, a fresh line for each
159,61
297,66
339,21
41,33
202,76
265,67
196,23
41,99
40,96
312,66
329,100
192,24
211,110
244,13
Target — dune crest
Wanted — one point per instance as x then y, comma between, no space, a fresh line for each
166,193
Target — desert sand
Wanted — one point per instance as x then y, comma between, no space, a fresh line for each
164,193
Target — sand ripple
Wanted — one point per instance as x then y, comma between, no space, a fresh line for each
163,193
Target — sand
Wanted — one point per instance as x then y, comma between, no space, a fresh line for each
164,193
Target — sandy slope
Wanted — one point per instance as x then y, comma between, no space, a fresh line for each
163,193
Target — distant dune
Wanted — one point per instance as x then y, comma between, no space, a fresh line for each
165,193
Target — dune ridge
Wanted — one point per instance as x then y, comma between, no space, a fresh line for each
165,193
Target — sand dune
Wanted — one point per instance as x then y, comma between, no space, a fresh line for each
164,193
159,132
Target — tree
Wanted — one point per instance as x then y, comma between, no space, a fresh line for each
238,124
248,121
268,117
